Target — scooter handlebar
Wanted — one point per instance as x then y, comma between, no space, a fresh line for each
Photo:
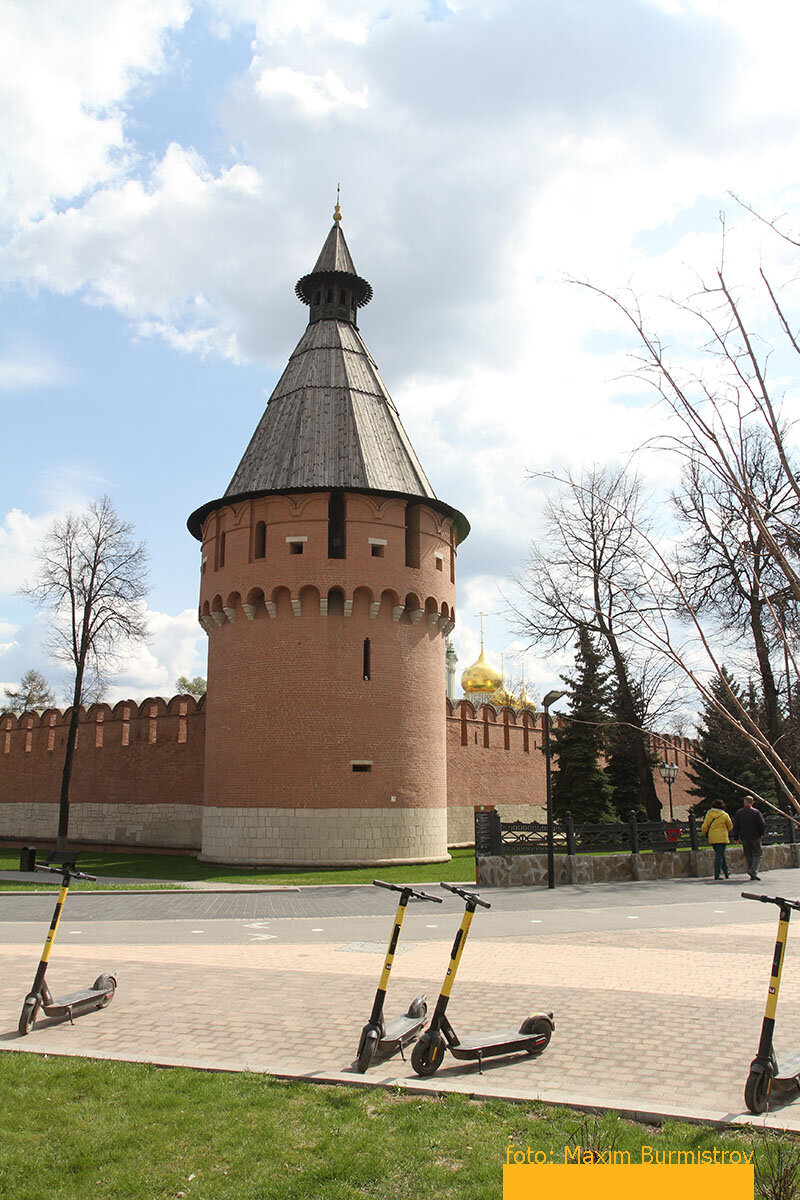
398,887
779,900
465,895
66,869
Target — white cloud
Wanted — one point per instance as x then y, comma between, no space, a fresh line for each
64,70
22,374
484,157
176,646
315,95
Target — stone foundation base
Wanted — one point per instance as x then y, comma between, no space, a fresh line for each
528,870
324,837
177,826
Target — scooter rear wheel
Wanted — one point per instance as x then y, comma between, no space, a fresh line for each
542,1026
107,984
756,1091
366,1051
427,1055
27,1017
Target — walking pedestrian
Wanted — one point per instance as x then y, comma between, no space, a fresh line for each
749,828
717,826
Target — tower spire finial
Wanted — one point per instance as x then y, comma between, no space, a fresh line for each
481,615
337,212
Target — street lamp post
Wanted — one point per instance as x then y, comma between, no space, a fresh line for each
669,773
549,699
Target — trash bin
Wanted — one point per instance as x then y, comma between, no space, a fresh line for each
27,858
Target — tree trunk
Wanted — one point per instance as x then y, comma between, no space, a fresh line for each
66,774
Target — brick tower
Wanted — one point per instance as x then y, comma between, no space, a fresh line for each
327,591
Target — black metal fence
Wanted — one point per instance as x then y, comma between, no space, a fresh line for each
493,836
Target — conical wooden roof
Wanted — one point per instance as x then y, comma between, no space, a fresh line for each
330,422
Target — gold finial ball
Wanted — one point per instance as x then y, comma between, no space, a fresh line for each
337,213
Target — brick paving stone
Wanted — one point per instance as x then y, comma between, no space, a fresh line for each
637,1011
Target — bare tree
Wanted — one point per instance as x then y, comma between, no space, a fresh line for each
92,577
727,569
583,573
34,693
718,415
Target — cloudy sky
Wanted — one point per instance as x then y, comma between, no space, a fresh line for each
168,171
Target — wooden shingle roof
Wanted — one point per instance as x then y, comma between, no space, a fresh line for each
330,422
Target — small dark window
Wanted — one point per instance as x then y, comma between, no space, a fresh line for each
362,766
260,541
336,526
367,664
222,549
343,297
317,297
439,564
377,551
412,535
329,295
295,547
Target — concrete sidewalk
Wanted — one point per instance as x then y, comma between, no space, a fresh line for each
192,885
641,1005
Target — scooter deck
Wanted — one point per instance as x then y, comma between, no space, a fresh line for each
504,1041
60,1005
399,1032
786,1080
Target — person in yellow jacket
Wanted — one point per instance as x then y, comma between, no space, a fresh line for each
717,826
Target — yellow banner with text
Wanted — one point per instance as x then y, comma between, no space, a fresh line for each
584,1181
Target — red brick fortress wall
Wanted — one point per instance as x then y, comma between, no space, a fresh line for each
137,775
495,756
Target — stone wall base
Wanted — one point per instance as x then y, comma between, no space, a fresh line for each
169,826
324,837
530,870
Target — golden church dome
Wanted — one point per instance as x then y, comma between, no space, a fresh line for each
480,677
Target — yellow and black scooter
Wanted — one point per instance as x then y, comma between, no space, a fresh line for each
377,1037
39,998
532,1037
769,1078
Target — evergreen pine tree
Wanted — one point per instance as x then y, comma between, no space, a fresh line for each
722,748
579,782
621,768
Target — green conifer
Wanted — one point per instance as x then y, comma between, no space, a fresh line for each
722,748
579,782
621,768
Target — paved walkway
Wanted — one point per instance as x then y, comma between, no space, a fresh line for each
641,977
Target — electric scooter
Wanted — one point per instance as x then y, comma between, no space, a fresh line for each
532,1037
377,1037
39,997
769,1078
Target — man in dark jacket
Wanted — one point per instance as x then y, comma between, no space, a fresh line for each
749,828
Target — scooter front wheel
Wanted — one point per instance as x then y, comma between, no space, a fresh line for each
756,1091
107,984
28,1015
366,1050
427,1055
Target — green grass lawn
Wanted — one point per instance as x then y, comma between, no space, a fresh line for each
74,1128
132,865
